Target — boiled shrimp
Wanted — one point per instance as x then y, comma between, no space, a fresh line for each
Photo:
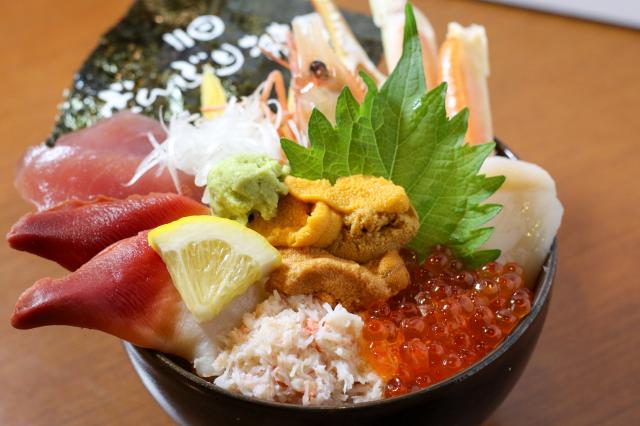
318,75
345,44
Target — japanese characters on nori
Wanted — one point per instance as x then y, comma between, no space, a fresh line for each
151,61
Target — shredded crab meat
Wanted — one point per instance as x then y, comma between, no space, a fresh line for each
298,350
194,145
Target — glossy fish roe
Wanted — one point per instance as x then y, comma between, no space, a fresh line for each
446,320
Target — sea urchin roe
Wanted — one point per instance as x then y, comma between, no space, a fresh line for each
378,216
299,224
335,280
351,193
445,320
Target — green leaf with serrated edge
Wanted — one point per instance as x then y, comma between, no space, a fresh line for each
481,257
402,133
308,162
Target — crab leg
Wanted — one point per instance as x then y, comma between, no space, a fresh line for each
388,15
464,65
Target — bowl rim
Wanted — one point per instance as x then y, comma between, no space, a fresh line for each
543,289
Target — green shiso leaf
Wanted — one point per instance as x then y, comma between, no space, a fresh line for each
402,133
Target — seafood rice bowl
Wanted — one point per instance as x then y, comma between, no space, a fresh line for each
347,238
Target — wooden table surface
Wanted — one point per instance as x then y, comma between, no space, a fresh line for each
565,95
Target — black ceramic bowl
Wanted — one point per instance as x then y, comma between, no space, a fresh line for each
467,398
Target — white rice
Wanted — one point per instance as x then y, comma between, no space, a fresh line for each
297,350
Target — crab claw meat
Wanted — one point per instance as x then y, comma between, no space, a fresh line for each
525,228
75,231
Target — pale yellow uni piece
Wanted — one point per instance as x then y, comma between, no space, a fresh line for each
298,224
322,228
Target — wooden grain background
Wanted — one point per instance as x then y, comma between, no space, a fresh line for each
565,95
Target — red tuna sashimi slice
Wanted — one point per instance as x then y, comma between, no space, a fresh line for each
125,133
75,231
125,291
95,161
53,175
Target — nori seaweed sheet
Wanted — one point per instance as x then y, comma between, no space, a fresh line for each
134,50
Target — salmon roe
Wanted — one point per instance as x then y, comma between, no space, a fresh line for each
447,319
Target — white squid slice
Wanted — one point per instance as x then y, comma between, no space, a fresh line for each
530,218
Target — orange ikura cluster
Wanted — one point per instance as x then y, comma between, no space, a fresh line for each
446,320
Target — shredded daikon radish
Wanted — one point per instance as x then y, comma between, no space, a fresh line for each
194,145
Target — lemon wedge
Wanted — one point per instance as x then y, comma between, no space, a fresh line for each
213,260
